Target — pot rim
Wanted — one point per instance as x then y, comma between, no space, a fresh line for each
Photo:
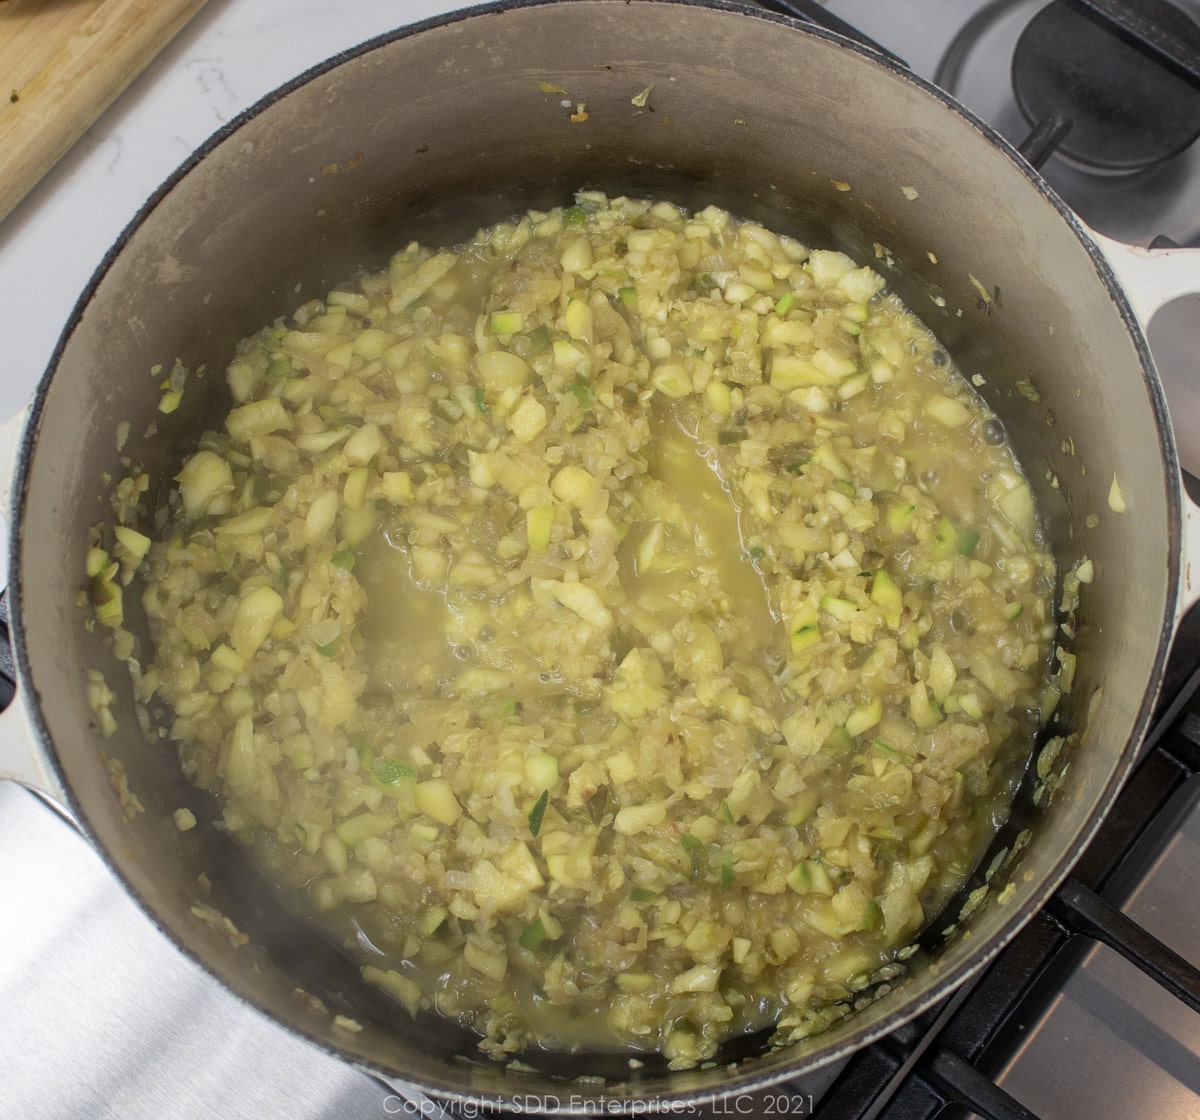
747,1077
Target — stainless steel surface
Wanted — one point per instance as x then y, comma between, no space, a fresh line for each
1175,341
1113,1043
103,1018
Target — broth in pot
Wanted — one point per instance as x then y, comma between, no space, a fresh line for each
622,630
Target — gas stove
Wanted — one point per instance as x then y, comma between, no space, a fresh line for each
104,1018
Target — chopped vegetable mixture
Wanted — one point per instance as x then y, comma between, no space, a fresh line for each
620,629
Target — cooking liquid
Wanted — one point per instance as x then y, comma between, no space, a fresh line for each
656,755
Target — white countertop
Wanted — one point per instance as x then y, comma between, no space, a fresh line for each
231,54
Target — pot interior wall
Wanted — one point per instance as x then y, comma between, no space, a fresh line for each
432,134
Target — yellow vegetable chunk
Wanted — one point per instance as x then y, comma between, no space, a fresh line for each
205,477
527,419
256,613
258,418
435,798
364,445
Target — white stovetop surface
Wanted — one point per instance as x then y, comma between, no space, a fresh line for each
99,1015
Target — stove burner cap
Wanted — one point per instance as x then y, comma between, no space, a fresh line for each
1126,111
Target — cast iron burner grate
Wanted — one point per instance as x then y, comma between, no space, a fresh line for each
1127,110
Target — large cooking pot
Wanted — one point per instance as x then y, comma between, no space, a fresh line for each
439,128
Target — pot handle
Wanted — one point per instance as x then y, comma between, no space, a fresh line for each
22,758
1152,278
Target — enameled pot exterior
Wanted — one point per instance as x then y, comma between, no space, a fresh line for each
443,127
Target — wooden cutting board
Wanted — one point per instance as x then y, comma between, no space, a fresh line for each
62,62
